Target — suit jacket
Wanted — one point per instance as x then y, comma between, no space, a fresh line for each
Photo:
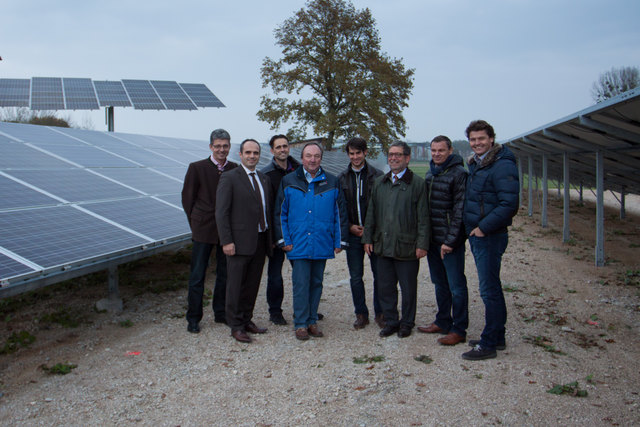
199,199
238,211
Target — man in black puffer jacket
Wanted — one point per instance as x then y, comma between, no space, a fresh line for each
445,186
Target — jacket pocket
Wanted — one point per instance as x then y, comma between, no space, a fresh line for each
406,245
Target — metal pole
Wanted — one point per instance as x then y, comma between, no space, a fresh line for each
530,184
110,119
545,189
622,203
520,180
599,208
581,191
565,214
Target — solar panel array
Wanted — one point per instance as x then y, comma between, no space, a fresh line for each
55,93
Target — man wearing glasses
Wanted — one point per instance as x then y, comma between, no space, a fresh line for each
397,230
199,203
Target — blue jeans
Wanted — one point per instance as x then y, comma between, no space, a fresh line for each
450,283
275,284
200,254
488,252
307,278
355,262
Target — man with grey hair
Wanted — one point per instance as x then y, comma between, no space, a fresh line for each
396,229
199,203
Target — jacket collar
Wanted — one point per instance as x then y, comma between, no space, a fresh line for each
407,177
492,156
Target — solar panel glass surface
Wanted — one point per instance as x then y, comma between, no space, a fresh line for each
79,94
201,95
16,195
46,93
88,156
144,180
15,92
43,135
111,94
142,95
172,95
12,268
145,157
17,155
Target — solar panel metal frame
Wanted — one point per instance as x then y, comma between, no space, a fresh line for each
79,94
111,93
15,92
47,93
142,94
201,95
172,95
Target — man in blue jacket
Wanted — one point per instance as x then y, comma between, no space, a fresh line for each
491,201
310,225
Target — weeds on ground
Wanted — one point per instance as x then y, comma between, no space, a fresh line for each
126,323
58,368
423,358
16,340
572,389
544,342
367,359
65,317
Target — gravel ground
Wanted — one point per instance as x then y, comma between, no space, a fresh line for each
568,321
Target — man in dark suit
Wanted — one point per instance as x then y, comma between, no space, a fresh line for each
243,214
199,203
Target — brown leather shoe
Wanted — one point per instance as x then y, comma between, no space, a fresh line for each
451,339
361,321
432,329
314,331
241,336
380,320
254,329
302,334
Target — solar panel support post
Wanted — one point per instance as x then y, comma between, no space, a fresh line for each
545,189
530,185
581,199
520,179
109,117
622,203
599,208
567,195
113,302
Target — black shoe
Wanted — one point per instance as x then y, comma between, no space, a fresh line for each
404,331
479,353
473,343
320,316
220,320
193,327
388,330
277,319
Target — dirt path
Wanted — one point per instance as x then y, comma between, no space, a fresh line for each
568,321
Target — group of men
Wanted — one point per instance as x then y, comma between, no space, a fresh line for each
300,211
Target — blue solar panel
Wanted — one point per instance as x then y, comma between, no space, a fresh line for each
146,157
87,156
144,180
79,94
58,235
174,199
111,94
11,268
46,93
15,92
42,135
144,215
16,195
75,185
172,95
142,95
16,155
201,95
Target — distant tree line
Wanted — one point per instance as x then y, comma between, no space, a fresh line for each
25,115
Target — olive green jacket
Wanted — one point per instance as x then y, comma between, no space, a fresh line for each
397,220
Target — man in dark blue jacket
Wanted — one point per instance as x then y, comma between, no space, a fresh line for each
491,203
310,225
445,182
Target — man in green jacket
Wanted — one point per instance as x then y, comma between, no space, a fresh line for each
397,231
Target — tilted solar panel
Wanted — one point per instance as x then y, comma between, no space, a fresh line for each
79,94
111,94
47,94
15,92
142,95
172,95
201,95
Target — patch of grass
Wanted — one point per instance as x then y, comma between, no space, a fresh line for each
517,229
544,342
556,320
16,340
631,278
59,368
509,288
65,317
478,376
572,389
634,245
126,323
423,358
367,359
571,242
571,291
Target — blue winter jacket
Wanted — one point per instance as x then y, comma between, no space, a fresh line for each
310,216
492,193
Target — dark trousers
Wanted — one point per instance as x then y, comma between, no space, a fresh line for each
355,262
275,284
243,282
447,275
200,254
390,272
487,252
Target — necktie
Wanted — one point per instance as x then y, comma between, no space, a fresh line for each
256,189
395,178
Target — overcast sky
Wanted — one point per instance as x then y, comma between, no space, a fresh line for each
517,63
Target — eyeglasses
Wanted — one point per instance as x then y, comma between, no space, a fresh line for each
220,147
392,155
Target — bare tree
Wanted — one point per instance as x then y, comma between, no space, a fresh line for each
615,82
